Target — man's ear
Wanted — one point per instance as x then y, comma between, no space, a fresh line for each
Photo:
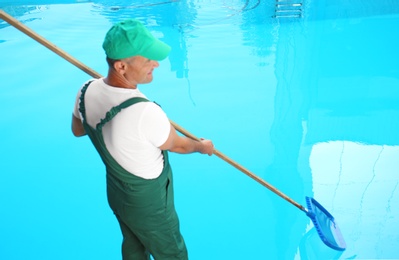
120,66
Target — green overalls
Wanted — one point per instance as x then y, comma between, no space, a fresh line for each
144,208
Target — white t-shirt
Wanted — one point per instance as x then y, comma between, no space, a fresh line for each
133,136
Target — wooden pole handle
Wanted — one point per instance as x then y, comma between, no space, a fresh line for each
23,28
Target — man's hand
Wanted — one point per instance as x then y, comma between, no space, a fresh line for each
207,147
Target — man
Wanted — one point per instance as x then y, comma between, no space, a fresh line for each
132,137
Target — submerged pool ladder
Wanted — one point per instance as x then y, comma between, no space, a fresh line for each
288,9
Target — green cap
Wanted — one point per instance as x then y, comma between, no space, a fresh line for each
130,38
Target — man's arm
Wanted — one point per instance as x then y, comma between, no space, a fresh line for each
77,127
181,144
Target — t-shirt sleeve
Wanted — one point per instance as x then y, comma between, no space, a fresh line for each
155,125
76,112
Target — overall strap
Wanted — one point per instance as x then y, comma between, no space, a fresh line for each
112,112
82,108
116,109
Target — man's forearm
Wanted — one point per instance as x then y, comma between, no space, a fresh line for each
187,145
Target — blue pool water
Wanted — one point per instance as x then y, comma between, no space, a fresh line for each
309,104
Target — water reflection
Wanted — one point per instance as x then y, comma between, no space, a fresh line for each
312,248
255,20
19,8
336,92
19,11
290,169
333,9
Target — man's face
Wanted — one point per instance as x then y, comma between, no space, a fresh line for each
139,69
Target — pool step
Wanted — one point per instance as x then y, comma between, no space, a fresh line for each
288,9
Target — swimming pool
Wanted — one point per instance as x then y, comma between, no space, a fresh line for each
309,104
